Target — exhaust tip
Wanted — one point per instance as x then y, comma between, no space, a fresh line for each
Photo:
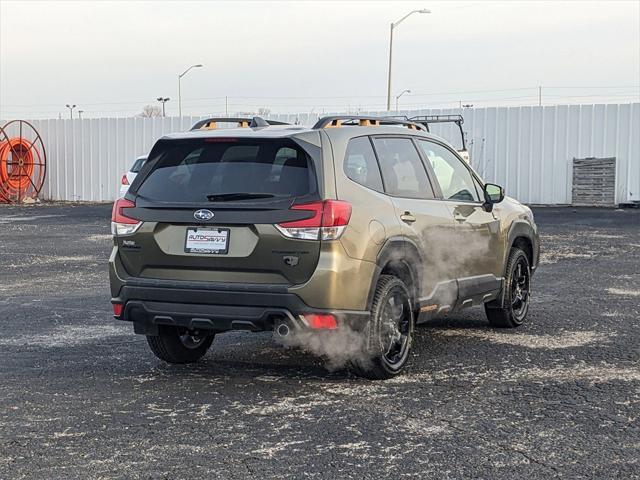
283,330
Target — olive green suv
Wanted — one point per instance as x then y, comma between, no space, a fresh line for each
356,226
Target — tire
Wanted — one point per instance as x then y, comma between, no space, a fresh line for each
511,309
387,348
174,346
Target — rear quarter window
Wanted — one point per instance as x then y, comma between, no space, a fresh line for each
360,164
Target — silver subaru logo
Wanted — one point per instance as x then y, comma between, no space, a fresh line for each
203,214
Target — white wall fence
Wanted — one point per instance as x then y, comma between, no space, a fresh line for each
529,150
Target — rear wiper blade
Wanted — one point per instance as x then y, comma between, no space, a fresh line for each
230,197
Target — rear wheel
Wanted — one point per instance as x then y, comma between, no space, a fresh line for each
179,346
511,310
389,332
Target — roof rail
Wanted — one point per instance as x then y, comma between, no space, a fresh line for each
243,122
364,121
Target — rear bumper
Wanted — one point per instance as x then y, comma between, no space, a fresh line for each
218,308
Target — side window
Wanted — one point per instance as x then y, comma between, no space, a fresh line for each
138,165
479,188
456,182
360,164
403,172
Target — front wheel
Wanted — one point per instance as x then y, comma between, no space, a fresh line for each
389,333
511,310
179,346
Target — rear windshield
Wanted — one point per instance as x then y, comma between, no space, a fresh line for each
208,169
137,165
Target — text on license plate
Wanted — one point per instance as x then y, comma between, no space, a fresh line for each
201,240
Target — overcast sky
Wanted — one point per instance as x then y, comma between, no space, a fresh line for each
113,57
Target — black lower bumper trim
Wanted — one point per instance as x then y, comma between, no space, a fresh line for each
148,316
150,308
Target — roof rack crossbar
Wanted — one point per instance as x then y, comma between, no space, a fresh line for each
243,122
438,118
425,120
364,121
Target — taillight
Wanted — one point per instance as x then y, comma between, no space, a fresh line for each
125,180
121,224
328,221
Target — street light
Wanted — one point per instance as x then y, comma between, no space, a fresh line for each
179,91
393,26
70,107
80,112
163,101
398,97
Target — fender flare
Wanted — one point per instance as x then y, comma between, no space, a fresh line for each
403,250
522,228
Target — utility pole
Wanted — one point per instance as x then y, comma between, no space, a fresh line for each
226,106
540,96
80,112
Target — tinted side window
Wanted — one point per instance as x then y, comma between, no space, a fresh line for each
402,170
456,182
479,188
137,165
360,164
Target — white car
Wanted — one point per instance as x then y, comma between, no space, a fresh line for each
128,177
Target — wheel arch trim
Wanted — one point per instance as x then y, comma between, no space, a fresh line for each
407,253
522,229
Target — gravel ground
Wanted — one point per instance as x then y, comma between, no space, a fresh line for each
82,397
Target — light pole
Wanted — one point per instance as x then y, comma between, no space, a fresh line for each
70,107
80,112
393,26
398,97
163,101
179,91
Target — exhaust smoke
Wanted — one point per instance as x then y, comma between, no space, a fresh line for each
339,347
448,253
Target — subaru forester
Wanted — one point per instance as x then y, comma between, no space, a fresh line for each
361,223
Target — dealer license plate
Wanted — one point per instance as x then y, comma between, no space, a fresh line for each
207,240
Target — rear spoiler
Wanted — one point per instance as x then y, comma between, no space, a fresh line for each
243,122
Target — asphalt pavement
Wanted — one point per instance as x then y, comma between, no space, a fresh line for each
81,396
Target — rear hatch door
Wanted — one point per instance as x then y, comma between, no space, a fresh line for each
209,208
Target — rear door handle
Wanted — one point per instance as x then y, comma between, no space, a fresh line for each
407,217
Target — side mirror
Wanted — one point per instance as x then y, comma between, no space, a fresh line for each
492,194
